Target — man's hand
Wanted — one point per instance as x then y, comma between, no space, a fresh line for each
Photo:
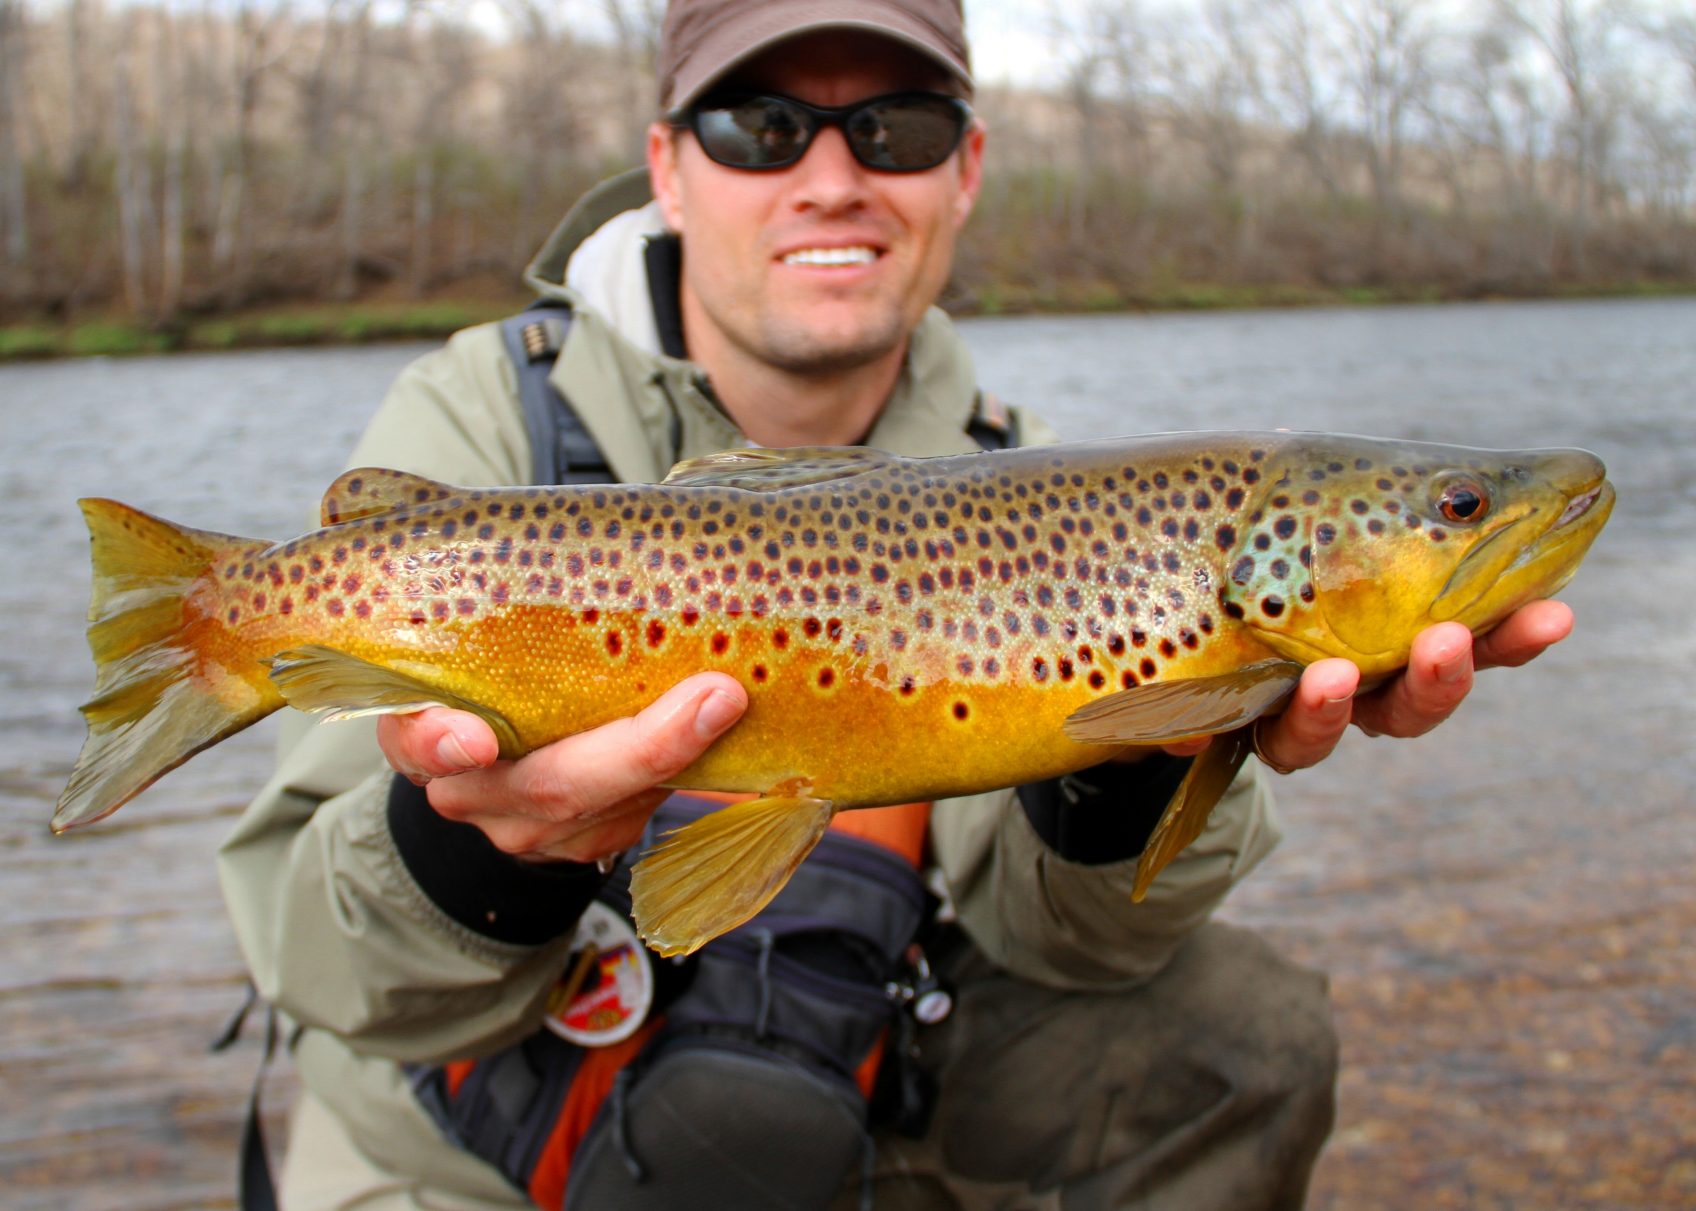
1437,678
580,799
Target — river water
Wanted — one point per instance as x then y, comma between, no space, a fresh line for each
1504,906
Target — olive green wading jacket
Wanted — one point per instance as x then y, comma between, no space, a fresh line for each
343,941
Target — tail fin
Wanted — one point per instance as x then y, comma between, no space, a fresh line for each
158,698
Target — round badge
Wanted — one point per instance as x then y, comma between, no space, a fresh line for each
608,985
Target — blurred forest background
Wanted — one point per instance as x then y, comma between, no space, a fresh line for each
168,163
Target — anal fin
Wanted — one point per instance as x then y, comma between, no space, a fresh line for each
1186,815
710,876
336,685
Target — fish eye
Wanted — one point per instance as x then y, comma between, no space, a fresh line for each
1464,501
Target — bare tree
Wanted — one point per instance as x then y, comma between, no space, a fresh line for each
259,46
1211,74
1302,94
1387,65
14,208
541,111
440,53
1576,39
636,37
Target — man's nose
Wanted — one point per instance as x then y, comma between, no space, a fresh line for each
828,177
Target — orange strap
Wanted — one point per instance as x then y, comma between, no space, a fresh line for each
589,1088
900,828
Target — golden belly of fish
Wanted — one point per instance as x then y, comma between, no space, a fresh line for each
907,629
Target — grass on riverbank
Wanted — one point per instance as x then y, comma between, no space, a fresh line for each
354,324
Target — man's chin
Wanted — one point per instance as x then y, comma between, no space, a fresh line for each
815,352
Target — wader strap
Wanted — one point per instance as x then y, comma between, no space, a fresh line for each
255,1189
561,450
993,425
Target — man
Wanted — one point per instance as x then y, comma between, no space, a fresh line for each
1101,1054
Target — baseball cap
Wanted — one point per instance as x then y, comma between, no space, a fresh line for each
701,40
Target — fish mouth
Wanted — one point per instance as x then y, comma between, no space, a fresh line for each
1579,506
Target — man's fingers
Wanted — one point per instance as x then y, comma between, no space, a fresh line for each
1438,676
534,840
1315,719
585,776
1524,634
436,742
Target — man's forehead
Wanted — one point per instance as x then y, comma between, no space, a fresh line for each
856,61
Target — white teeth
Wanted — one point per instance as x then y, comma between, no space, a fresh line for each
858,255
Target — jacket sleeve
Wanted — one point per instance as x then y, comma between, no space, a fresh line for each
1071,924
335,924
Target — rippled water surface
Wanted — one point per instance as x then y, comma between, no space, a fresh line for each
1505,906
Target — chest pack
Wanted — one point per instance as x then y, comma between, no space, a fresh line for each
761,1062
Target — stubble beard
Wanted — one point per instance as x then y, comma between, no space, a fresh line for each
806,353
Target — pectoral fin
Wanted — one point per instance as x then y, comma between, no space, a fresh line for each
1186,815
1164,711
709,877
338,686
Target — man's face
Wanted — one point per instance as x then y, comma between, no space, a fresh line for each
748,236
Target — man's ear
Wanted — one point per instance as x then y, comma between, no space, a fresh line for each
662,173
971,172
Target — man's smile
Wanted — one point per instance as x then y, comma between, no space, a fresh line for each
857,254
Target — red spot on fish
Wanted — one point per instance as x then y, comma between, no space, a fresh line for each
812,627
691,616
780,638
615,643
721,643
826,678
759,672
656,633
961,711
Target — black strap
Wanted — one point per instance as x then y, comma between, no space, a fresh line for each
561,450
255,1189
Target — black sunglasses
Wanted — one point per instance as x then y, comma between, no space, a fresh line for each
900,132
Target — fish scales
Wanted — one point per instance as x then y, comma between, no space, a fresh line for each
943,603
907,629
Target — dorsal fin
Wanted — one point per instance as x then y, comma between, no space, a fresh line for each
764,470
368,491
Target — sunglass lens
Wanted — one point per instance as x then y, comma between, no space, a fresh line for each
757,133
906,134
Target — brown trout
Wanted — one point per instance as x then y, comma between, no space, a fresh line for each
907,629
